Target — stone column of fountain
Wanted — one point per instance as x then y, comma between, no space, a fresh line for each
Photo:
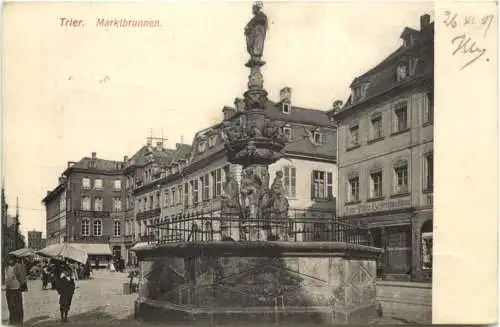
256,145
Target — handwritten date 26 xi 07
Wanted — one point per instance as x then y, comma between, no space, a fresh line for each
463,43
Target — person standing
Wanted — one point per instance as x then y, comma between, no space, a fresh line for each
45,275
66,289
15,284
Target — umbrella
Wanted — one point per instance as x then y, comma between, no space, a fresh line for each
65,251
25,252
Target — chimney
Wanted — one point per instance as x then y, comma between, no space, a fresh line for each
94,155
125,158
286,94
424,21
61,179
337,105
228,112
239,103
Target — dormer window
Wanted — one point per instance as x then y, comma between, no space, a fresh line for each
359,92
402,71
287,108
317,137
287,131
211,141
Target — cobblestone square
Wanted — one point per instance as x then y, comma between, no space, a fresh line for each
98,301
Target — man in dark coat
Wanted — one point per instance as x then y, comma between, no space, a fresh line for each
66,289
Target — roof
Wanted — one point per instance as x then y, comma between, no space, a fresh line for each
93,249
99,164
303,121
382,77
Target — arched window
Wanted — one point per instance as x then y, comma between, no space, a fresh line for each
97,228
85,227
117,228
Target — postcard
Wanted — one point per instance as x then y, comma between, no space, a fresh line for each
261,163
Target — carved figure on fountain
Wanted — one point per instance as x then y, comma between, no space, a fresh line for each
231,196
255,99
251,186
253,130
255,33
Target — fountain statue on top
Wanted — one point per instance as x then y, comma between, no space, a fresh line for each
256,142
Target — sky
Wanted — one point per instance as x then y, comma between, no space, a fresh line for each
68,92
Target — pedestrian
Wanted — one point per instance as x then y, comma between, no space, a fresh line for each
66,289
45,275
15,284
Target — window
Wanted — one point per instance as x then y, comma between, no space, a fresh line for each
211,141
317,137
167,198
217,182
429,172
98,184
353,136
97,227
401,178
353,188
117,204
402,71
289,181
186,195
376,184
117,185
85,227
288,132
151,202
97,203
194,188
286,108
173,197
428,108
179,195
158,199
117,228
376,127
86,183
205,181
400,118
86,203
322,185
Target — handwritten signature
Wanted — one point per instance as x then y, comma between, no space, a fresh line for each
465,45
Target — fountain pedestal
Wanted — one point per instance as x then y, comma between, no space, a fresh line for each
258,282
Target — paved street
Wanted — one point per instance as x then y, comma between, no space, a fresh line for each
98,301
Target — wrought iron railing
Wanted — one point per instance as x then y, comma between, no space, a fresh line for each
231,228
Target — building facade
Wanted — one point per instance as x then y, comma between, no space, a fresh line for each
191,184
385,155
87,205
35,240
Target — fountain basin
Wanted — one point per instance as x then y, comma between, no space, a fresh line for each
268,281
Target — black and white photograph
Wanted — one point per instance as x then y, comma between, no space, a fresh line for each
229,163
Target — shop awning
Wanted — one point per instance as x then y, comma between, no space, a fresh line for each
94,249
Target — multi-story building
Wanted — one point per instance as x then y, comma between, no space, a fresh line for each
87,206
385,154
143,167
191,183
35,240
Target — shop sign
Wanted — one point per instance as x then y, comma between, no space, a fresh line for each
392,204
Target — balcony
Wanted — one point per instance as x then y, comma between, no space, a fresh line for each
148,214
91,214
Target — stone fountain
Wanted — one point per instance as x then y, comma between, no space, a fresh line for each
253,273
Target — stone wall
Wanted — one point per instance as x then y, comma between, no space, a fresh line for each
324,289
406,301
